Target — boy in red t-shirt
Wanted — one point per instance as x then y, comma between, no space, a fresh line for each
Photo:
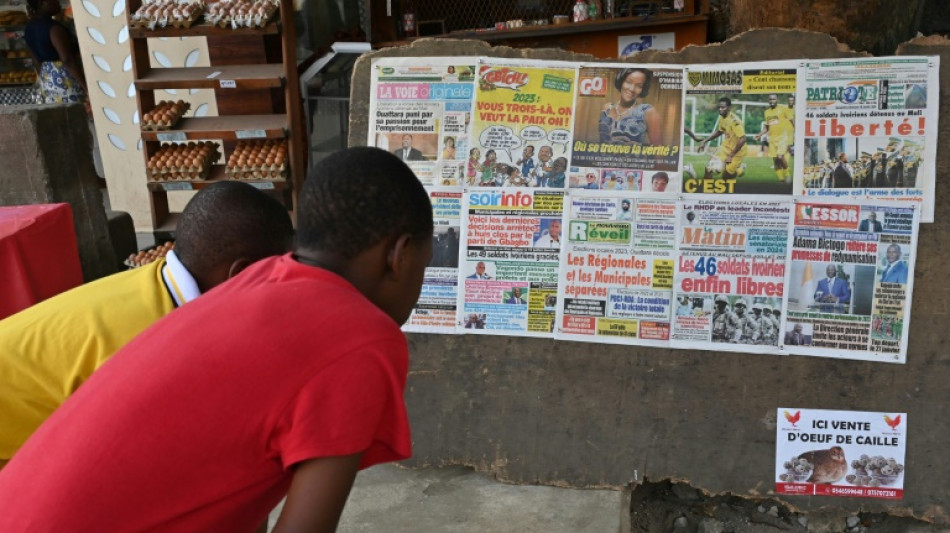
285,380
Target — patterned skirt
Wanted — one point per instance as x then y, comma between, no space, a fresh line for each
58,86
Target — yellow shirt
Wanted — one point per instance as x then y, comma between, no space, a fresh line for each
781,122
733,130
48,350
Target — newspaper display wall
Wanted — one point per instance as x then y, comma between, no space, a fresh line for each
735,130
627,128
512,251
870,129
436,310
521,131
730,273
617,273
850,279
739,129
840,453
420,110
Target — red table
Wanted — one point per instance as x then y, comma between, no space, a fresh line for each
39,257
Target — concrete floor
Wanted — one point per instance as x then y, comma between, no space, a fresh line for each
458,500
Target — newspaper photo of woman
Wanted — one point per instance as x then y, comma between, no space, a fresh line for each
627,121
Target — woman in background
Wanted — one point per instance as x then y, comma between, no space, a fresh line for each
55,53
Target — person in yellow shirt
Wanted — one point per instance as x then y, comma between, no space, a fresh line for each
779,125
48,350
732,150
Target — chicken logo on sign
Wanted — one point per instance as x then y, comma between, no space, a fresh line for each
793,419
893,422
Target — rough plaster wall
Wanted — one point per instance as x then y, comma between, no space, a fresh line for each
589,415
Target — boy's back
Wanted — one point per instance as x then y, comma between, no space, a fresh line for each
201,437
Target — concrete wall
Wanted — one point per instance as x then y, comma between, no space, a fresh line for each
45,158
585,415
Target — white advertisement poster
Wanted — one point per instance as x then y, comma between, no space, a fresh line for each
851,454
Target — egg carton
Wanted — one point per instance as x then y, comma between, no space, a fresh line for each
272,172
175,118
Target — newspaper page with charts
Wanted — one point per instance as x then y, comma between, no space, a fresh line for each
510,270
851,454
739,128
730,273
617,269
435,312
870,129
420,109
627,128
521,132
850,279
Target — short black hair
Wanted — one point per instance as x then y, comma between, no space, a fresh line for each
660,174
622,75
726,100
230,220
356,197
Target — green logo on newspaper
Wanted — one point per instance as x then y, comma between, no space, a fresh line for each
601,232
556,83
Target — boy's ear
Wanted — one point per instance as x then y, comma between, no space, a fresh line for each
399,255
238,265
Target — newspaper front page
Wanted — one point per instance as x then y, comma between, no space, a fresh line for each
850,279
617,271
739,128
870,129
730,273
421,109
436,310
627,128
521,132
513,240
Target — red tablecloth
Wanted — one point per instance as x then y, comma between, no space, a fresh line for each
39,257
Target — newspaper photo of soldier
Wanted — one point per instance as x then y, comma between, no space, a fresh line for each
744,320
862,163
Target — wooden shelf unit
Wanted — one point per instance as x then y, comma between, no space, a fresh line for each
253,74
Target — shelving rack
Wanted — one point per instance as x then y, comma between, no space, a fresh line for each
253,74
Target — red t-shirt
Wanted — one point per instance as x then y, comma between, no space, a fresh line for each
194,425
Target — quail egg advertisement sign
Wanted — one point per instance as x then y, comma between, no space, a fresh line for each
854,454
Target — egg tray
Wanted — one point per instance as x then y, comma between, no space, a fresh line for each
271,172
180,23
149,256
226,21
184,173
157,126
